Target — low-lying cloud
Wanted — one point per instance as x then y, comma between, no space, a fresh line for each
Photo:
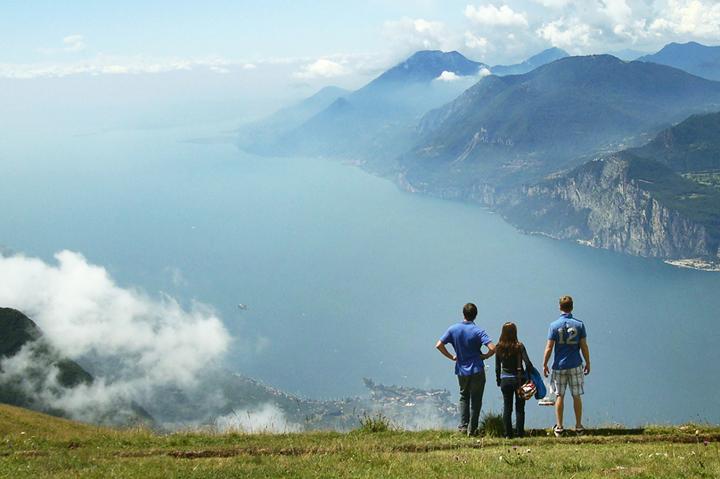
146,341
265,418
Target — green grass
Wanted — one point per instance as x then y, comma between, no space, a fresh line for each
375,423
491,425
38,446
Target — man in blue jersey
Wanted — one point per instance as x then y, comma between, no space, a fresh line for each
466,339
567,338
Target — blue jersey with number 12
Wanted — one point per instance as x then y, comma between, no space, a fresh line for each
567,332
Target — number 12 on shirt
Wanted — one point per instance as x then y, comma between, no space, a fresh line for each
571,338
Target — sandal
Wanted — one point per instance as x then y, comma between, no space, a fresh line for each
558,431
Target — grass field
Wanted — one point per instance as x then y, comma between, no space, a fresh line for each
34,445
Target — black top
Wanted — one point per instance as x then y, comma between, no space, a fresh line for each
511,365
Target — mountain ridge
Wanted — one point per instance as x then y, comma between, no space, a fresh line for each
506,130
693,57
375,123
539,59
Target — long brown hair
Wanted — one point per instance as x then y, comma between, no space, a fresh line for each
508,345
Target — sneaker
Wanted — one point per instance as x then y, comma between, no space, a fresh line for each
558,431
579,430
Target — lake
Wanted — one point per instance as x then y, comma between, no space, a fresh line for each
345,276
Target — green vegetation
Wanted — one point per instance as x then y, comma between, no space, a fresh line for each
375,423
711,179
37,446
491,425
692,146
698,202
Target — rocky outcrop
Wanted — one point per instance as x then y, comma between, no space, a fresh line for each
604,204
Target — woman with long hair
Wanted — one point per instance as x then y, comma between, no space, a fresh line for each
510,375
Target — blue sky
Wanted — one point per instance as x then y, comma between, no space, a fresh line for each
302,45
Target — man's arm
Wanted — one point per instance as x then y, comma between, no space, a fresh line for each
440,346
491,351
586,354
548,351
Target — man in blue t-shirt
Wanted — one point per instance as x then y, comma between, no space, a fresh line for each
467,339
567,338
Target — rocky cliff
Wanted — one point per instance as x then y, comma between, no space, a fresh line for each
611,203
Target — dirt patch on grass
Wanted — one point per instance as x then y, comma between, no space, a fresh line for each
251,451
417,448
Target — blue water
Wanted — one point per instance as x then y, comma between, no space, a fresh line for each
345,276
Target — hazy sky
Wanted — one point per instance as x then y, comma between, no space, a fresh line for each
305,44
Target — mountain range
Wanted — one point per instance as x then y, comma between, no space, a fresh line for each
504,131
498,135
376,123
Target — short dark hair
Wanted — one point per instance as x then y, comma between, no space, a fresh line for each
566,304
470,312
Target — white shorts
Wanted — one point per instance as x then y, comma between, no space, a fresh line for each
560,379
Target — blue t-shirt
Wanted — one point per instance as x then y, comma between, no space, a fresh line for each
466,339
567,332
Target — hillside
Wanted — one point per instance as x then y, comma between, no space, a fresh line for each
692,146
18,332
257,135
509,130
33,374
648,201
693,57
37,446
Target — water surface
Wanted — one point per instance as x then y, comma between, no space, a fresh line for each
345,276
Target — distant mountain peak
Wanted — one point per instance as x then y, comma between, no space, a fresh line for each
693,57
539,59
426,65
550,53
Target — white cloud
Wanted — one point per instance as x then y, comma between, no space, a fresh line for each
249,66
322,68
475,42
104,65
448,76
553,3
82,311
74,43
618,11
490,15
409,34
569,34
696,18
